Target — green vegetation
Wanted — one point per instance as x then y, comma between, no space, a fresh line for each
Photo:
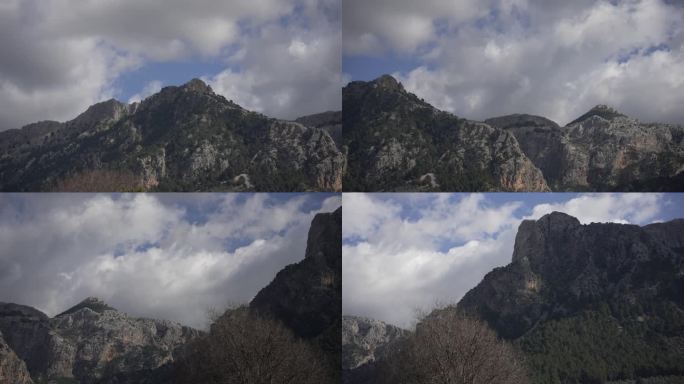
609,343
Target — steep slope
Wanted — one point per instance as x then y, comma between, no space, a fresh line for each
307,296
90,343
330,122
183,138
12,368
590,303
398,142
365,342
602,150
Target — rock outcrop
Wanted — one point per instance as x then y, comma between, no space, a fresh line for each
365,340
12,368
601,301
398,142
603,150
307,296
330,122
183,138
90,343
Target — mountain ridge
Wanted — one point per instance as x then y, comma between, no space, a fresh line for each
602,150
618,287
182,138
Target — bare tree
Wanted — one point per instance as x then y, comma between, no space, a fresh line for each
451,348
244,348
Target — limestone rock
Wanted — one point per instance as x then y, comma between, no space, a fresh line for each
394,138
183,138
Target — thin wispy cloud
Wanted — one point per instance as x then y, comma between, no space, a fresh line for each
162,256
403,252
482,59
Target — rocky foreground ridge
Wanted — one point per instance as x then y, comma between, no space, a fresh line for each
590,303
184,138
89,343
397,141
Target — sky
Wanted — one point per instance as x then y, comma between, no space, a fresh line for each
406,253
485,58
278,57
165,256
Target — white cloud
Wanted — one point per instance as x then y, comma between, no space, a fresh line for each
403,252
556,59
63,55
171,257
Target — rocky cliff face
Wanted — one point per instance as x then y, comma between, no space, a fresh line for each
396,141
590,303
366,343
330,122
183,138
307,296
12,368
366,340
602,150
89,343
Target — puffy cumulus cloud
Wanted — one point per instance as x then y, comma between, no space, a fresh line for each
289,70
64,55
407,252
171,257
551,58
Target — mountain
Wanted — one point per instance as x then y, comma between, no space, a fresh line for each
184,138
307,296
12,368
90,343
590,303
603,150
398,142
365,341
93,343
330,122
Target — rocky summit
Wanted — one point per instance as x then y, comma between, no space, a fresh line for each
89,343
398,142
590,303
602,150
307,296
184,138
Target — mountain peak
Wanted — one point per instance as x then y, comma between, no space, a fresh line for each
197,85
388,82
601,110
109,109
93,303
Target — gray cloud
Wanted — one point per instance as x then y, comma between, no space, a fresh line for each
551,58
149,255
63,55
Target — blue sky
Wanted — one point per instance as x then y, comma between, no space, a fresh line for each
278,57
486,58
404,251
168,256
